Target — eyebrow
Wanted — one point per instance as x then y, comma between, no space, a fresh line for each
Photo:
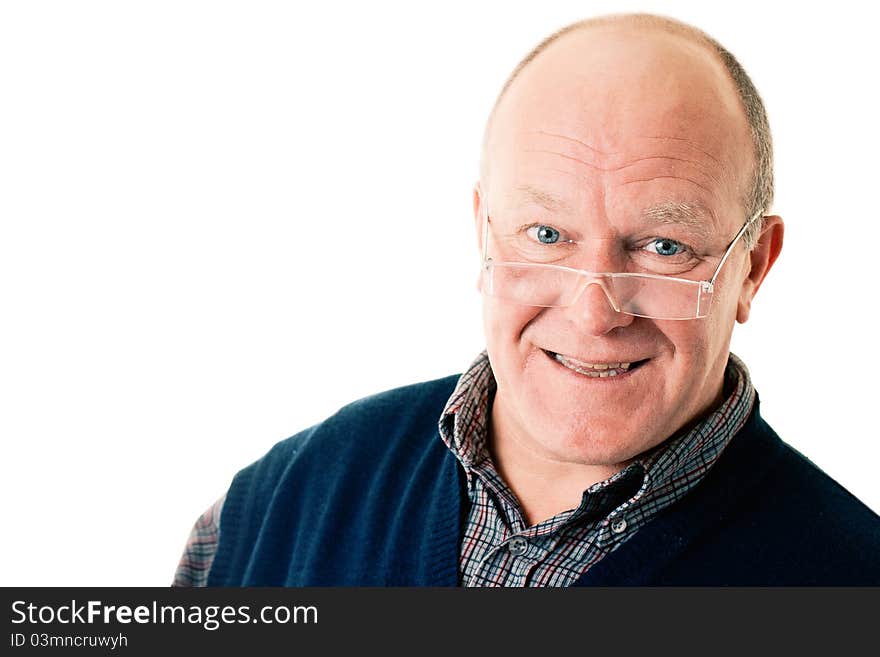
693,216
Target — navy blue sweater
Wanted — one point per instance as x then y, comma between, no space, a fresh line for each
373,497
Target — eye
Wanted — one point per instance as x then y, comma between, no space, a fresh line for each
544,234
665,247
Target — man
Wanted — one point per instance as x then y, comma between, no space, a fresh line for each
606,435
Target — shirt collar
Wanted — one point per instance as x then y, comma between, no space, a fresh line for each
464,421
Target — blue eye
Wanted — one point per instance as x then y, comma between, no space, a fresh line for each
665,247
547,234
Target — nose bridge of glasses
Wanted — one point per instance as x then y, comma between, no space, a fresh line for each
603,282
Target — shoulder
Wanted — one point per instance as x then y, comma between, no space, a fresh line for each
801,492
406,404
406,411
764,515
288,513
788,522
793,489
770,478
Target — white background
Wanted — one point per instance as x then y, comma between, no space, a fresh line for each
223,220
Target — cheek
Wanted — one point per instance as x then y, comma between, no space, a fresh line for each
504,323
730,288
699,347
687,359
503,327
718,326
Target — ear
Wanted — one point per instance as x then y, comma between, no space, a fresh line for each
478,225
762,258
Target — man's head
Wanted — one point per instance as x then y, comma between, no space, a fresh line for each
621,145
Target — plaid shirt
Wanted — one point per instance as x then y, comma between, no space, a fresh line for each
498,548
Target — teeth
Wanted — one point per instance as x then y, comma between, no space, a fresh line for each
594,370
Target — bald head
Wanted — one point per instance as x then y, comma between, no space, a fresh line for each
611,56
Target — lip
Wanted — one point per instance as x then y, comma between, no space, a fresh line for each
637,366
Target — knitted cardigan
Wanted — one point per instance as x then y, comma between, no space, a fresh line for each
373,497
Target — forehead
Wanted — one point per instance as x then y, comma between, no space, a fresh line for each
620,118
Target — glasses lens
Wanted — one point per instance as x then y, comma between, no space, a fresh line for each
531,284
660,298
643,296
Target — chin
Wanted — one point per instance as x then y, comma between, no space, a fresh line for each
596,441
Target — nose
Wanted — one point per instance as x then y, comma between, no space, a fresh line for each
593,311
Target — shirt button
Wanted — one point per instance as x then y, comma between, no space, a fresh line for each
619,525
518,545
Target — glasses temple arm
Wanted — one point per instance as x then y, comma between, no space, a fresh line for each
485,235
711,282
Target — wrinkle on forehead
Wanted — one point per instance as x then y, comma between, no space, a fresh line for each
589,147
576,141
609,161
689,143
536,158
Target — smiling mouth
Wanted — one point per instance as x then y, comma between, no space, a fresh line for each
596,370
